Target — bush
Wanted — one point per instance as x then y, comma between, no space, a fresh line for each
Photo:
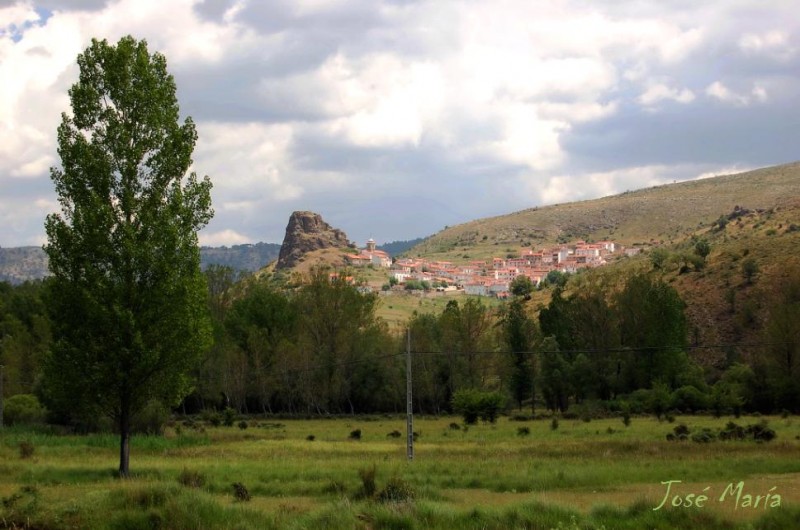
523,431
689,399
355,434
473,404
23,409
760,432
394,434
212,416
151,419
704,436
240,492
243,425
396,490
228,417
554,424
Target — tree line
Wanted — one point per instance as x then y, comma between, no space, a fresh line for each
318,347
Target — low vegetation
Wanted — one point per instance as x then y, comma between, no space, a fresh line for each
510,474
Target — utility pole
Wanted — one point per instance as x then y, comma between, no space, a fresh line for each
1,396
409,401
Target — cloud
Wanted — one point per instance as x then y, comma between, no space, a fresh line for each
719,91
774,44
222,237
398,117
659,92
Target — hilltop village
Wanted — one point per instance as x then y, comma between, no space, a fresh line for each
491,278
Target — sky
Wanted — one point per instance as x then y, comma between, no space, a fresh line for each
396,118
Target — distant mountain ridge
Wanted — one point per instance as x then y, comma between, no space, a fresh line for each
20,264
395,248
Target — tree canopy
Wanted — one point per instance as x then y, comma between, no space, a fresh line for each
127,300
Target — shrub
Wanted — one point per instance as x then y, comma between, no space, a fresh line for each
554,424
455,426
689,399
23,409
240,492
396,490
212,416
626,418
473,404
228,417
523,431
243,425
311,437
704,436
394,434
355,434
760,432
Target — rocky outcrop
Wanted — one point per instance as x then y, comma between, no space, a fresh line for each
307,232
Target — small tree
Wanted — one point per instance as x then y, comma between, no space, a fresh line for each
127,298
702,248
521,286
749,269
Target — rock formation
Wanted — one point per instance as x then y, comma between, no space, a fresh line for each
307,232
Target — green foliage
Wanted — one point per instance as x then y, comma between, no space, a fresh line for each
240,492
473,404
689,399
127,298
702,248
659,257
519,332
750,269
23,409
521,286
150,419
228,417
556,278
396,490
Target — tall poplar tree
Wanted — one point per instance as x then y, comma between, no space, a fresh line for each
128,300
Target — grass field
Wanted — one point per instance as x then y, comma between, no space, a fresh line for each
596,474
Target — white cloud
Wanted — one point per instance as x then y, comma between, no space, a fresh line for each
247,159
719,91
313,99
223,237
660,92
726,170
774,44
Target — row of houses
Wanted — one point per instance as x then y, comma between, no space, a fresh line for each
493,277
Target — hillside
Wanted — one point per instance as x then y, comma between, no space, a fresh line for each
759,212
18,264
665,214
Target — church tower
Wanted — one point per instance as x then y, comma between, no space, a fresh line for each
370,245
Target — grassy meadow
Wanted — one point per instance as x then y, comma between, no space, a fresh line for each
316,474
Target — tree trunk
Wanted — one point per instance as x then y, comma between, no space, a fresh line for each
124,443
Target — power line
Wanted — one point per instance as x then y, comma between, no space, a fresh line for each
632,349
